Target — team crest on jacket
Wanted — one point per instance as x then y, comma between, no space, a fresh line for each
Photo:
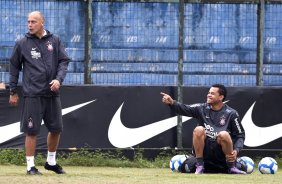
30,123
222,120
49,46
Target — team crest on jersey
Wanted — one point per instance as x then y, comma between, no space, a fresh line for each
49,46
30,123
222,120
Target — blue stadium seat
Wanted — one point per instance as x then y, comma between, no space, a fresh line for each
136,43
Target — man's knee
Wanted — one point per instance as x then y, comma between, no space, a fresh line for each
199,131
30,136
223,136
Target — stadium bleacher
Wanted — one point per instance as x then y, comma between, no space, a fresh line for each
137,43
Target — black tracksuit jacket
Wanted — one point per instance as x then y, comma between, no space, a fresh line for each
42,60
226,119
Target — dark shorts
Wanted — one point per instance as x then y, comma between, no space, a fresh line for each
36,109
214,158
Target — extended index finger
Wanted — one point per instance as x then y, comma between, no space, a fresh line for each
162,93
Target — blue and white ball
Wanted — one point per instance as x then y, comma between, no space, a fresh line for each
176,162
247,164
268,165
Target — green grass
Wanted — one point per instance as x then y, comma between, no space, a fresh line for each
10,174
85,157
84,166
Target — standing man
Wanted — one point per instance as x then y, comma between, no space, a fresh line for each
43,59
219,136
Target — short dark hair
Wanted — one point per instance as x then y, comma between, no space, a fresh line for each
221,89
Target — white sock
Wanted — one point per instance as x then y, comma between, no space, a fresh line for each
29,162
51,158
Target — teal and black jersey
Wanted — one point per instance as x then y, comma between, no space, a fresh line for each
226,119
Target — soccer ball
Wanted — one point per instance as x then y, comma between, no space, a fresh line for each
189,165
176,162
268,165
245,164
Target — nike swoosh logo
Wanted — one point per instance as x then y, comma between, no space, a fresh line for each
10,131
123,137
258,136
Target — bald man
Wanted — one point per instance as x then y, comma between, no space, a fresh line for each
43,60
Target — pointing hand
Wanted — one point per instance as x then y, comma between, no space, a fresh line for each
167,99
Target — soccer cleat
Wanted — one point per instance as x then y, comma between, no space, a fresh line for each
33,171
199,169
56,168
235,170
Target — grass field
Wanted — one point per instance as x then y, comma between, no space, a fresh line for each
108,175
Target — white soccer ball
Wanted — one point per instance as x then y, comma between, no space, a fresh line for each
247,164
176,162
268,165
